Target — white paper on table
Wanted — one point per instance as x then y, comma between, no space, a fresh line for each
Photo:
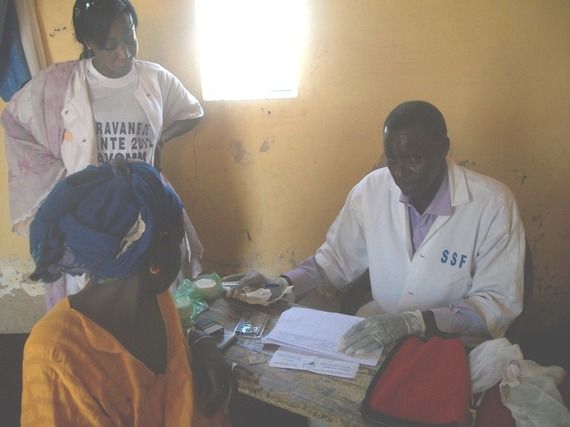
317,332
296,359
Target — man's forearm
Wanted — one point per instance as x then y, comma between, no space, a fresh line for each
459,318
307,277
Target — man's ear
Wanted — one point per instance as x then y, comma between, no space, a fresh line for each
445,143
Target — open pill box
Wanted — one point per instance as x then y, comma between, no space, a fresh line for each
252,324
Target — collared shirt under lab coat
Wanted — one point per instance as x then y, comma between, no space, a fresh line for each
470,261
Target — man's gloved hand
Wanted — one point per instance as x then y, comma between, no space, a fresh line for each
254,281
381,330
211,371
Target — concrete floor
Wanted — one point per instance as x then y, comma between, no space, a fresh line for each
11,347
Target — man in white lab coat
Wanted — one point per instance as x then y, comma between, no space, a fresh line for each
444,245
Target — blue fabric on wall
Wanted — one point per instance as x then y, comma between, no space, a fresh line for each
14,70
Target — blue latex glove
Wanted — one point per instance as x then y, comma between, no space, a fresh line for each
380,330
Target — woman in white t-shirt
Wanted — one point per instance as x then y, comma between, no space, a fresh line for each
106,104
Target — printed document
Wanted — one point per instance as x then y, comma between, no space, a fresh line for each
296,359
317,333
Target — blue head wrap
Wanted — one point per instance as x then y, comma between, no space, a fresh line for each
102,220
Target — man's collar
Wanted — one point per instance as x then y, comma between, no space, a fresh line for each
440,205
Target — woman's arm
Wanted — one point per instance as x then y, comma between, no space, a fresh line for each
177,128
33,134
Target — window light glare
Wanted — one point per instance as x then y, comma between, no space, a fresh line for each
249,49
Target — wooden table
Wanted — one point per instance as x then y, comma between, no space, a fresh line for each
330,399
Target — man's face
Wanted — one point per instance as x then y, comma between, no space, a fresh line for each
416,162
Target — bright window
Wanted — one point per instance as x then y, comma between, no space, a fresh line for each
249,49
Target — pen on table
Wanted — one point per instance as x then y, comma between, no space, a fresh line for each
230,284
234,284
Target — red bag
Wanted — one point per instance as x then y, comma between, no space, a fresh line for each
422,382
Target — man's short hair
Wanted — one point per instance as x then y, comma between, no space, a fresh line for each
421,113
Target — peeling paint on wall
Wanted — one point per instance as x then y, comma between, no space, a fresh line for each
14,280
22,302
521,177
239,153
55,31
293,261
467,163
290,257
249,238
14,277
266,144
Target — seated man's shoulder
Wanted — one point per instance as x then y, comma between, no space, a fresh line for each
487,184
380,176
376,183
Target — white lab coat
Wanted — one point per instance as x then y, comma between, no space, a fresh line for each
158,94
49,133
49,130
472,259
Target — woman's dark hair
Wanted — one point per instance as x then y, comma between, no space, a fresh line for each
417,113
92,21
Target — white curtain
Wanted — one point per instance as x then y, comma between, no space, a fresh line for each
30,34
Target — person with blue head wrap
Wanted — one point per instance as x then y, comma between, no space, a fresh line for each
115,353
102,220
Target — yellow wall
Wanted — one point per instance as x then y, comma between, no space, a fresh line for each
263,180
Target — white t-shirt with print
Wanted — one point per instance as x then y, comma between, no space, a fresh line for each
122,127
